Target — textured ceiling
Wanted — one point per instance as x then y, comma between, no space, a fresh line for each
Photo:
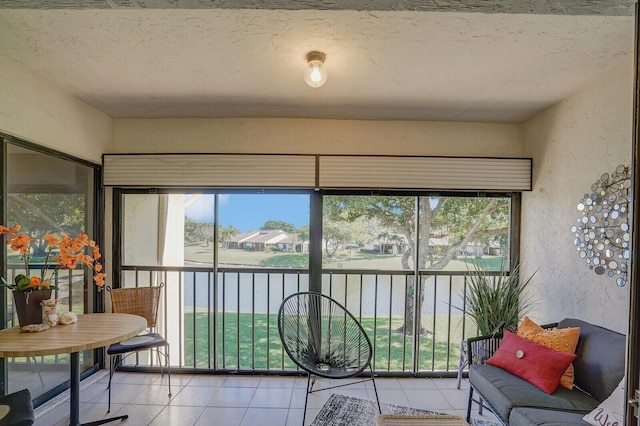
457,66
541,7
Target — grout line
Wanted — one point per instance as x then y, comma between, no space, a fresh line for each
94,380
58,400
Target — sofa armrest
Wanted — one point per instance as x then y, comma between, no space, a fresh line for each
481,348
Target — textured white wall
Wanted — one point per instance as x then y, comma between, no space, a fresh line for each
572,144
307,136
37,111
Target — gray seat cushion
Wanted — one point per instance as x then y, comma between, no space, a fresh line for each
535,416
505,391
600,364
138,343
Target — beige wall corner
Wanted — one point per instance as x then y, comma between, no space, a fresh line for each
313,136
572,144
37,111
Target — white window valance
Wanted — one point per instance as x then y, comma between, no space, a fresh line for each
221,170
317,172
432,173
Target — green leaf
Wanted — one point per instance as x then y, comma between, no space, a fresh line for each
497,302
23,283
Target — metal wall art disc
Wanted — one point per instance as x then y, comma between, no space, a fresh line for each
602,235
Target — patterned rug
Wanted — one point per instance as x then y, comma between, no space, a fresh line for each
341,410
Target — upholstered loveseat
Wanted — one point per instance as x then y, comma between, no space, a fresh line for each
598,368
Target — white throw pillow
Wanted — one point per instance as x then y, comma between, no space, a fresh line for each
610,411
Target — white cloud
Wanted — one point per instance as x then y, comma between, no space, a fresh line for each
200,207
223,199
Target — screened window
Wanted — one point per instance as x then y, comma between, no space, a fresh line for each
384,232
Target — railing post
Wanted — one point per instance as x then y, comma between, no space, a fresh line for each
417,292
315,242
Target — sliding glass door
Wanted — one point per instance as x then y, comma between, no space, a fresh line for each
47,193
226,260
398,262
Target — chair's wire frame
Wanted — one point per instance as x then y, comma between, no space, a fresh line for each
307,324
144,302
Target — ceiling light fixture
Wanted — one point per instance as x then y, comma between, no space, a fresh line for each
316,74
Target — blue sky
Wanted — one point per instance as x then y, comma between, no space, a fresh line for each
248,212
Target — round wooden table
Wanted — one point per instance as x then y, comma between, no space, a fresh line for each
90,332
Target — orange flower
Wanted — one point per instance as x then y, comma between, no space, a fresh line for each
9,231
35,282
71,254
65,260
99,279
52,240
21,243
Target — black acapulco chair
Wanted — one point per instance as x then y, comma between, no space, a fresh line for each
324,340
142,301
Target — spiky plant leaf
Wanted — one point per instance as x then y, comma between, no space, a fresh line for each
496,303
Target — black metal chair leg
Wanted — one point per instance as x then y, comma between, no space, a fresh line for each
168,360
469,404
111,368
375,390
167,364
306,398
109,420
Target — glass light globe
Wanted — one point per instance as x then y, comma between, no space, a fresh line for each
315,75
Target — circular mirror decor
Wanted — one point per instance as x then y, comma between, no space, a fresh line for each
603,225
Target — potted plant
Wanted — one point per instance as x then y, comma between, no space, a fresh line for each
496,303
64,252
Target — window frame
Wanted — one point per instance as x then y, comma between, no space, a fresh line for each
95,215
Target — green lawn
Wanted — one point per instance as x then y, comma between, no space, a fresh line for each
258,346
392,349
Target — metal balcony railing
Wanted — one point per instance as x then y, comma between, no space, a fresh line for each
230,324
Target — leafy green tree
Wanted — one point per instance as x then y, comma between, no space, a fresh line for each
303,233
460,219
383,237
360,231
202,232
39,214
197,232
227,233
336,234
278,224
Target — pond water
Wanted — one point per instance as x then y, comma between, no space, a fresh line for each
366,295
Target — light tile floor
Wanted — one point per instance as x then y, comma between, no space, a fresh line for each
231,400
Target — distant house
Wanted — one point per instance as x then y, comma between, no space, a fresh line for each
388,244
263,239
394,248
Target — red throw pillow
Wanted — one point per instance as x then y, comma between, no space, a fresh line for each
541,366
559,339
